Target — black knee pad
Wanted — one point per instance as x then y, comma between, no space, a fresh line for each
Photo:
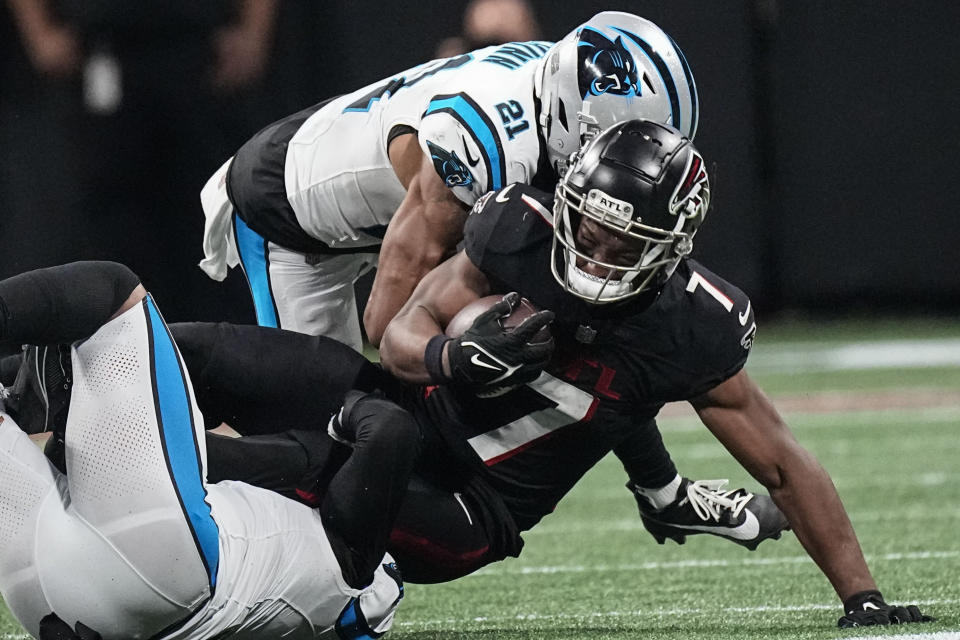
372,417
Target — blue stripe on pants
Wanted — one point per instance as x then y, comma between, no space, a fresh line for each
252,248
178,435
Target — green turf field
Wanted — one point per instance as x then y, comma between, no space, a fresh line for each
590,571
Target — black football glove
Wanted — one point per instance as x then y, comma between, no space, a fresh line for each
488,358
868,608
53,628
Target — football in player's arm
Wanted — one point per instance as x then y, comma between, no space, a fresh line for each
384,176
600,253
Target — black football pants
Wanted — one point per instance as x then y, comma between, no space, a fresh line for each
280,389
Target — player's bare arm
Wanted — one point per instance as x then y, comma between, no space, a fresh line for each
439,296
425,230
739,414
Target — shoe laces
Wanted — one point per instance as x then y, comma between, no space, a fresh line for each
709,501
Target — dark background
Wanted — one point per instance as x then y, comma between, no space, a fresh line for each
833,126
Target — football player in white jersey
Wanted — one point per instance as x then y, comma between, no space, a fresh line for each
131,541
388,172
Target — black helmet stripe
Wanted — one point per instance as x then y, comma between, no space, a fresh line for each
664,73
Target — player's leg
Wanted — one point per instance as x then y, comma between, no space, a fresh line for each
297,464
135,442
135,462
441,534
364,495
315,295
262,381
256,260
672,506
133,549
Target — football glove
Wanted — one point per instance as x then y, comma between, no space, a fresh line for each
488,357
53,628
867,608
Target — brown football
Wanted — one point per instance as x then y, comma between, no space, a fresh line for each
465,317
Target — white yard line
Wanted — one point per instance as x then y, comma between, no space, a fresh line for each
565,525
510,569
661,612
940,635
799,357
674,420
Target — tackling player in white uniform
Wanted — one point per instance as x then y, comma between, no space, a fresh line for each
132,542
308,203
387,173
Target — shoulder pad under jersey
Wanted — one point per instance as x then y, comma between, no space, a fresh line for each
474,143
510,222
717,321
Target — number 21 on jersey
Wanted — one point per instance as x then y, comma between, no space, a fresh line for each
512,115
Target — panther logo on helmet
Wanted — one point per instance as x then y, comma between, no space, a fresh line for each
449,166
605,66
614,67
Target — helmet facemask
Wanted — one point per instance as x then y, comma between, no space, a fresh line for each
659,250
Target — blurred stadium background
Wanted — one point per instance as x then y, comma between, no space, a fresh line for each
834,127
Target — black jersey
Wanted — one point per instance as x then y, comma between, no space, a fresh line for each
614,367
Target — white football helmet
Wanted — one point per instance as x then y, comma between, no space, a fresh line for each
614,67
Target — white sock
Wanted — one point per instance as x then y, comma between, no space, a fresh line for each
663,496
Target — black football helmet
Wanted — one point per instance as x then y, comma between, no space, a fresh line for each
640,180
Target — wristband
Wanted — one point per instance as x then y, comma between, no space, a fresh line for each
433,359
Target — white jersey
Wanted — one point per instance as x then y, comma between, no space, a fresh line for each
132,541
474,115
278,576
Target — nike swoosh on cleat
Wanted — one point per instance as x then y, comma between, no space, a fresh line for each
504,194
746,530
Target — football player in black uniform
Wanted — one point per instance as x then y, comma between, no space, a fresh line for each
636,324
512,426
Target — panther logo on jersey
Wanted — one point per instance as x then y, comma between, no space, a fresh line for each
449,166
605,66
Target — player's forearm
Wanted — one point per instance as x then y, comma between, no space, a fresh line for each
806,495
400,268
402,352
392,287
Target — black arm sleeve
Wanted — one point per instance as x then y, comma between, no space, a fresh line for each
261,380
62,304
644,457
